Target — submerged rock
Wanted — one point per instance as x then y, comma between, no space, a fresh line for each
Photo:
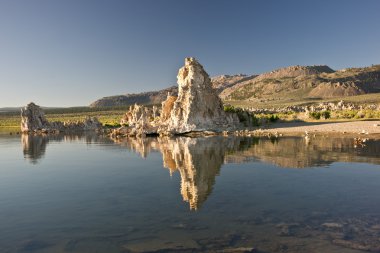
197,107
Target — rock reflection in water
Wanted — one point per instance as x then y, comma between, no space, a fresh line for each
34,146
199,160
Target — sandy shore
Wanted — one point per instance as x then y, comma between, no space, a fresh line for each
353,127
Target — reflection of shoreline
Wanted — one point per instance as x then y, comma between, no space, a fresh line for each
34,146
300,152
198,160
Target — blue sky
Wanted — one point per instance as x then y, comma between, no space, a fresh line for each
72,52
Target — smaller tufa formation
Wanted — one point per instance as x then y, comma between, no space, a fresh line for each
33,120
91,124
139,121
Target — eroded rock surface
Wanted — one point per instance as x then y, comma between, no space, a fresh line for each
197,107
139,121
33,120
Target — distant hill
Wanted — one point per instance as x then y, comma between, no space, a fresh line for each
147,98
10,109
300,82
223,82
290,83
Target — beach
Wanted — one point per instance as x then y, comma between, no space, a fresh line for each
352,127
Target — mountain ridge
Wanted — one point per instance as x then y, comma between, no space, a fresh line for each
293,82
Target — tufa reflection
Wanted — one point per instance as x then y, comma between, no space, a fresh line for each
34,145
198,160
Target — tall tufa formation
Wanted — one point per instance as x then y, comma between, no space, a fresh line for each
197,107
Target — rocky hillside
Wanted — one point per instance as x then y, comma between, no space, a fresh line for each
290,83
145,98
223,82
220,83
299,82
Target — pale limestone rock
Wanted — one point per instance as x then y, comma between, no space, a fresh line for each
197,107
140,121
33,118
167,107
133,115
91,124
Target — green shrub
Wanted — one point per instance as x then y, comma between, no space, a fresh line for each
326,114
273,118
348,114
112,125
315,115
229,108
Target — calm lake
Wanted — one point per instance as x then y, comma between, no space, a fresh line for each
87,193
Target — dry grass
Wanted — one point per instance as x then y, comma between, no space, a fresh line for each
111,117
373,98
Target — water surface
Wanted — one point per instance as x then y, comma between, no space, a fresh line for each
86,193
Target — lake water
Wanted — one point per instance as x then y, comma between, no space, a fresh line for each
87,193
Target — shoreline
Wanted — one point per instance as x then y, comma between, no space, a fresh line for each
364,127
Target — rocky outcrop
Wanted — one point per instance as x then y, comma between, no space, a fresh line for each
33,120
139,121
197,107
134,115
167,107
91,124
